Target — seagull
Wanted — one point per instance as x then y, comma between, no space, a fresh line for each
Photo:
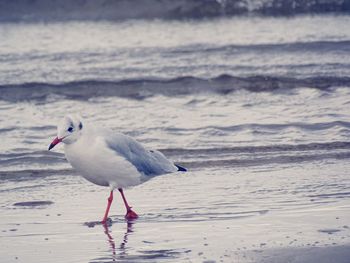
109,158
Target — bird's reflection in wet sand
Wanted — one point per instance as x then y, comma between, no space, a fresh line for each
122,247
128,254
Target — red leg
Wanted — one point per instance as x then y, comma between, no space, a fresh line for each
110,199
130,215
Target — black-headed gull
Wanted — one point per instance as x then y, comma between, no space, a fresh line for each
108,158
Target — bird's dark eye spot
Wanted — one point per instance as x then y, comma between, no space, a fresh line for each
70,129
80,126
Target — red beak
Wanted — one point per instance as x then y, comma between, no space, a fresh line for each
54,142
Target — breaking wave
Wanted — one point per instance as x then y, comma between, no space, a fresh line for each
142,88
117,10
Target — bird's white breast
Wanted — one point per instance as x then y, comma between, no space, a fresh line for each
100,165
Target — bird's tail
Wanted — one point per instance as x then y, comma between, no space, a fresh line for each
180,168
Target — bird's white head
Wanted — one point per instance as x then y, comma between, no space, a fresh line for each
69,130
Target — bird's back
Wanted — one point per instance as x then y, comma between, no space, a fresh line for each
147,162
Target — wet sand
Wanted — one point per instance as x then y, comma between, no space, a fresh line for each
55,219
339,254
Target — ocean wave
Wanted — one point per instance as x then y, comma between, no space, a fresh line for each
307,46
117,10
142,88
338,145
318,47
289,159
32,174
276,127
192,158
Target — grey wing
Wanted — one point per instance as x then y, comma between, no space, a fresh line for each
147,162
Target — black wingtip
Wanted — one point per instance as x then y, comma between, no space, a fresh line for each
180,168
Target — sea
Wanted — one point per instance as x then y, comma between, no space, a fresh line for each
254,101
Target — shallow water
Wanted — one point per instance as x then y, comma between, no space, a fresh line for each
259,117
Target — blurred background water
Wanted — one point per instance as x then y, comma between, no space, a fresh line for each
252,96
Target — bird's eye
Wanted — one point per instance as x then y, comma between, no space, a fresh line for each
80,126
70,129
